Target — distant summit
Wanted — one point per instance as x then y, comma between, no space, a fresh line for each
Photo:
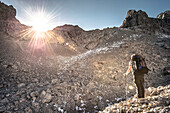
134,18
139,21
68,27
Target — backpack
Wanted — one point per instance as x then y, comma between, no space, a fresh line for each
140,65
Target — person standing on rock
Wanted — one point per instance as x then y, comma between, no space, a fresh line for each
138,68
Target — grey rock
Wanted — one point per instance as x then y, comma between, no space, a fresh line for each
36,104
14,67
2,108
45,97
166,71
5,100
54,81
21,85
34,94
28,110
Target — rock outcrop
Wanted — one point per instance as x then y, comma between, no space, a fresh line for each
165,16
135,18
8,22
140,22
7,12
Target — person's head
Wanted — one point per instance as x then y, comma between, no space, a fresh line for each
132,56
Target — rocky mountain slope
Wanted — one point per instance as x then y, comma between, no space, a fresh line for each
78,71
157,101
135,20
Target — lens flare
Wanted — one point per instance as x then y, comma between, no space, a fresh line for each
40,22
39,35
40,19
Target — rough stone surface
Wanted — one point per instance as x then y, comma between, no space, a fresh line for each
165,16
152,103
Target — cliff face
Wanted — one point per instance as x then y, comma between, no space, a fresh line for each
135,18
8,22
140,22
7,12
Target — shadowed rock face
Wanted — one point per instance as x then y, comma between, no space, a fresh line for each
7,17
165,16
134,18
139,21
8,22
7,12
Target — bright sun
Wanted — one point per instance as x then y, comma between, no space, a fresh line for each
40,22
41,19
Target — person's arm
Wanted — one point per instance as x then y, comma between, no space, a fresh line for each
128,71
129,68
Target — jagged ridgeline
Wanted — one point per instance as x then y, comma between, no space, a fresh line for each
82,71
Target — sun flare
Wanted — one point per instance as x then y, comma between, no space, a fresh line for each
40,35
40,22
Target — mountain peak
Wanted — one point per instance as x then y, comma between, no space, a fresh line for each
139,21
134,18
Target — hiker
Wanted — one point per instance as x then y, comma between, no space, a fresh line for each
138,68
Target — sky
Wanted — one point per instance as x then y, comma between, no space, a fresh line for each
88,14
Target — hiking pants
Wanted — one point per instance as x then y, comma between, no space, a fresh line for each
139,81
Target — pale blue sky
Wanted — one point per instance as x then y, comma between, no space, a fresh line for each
88,14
